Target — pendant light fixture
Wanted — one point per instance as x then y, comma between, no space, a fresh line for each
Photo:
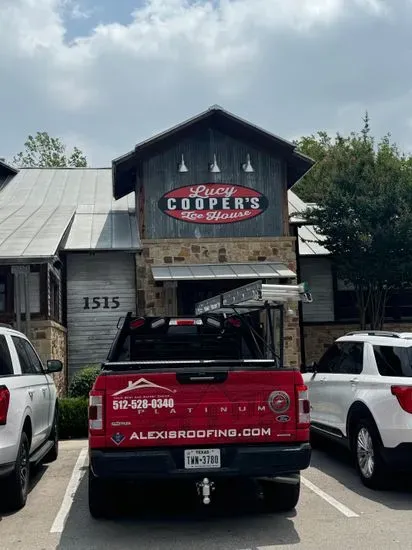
214,168
247,166
182,166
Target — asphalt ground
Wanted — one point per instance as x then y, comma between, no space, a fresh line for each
335,511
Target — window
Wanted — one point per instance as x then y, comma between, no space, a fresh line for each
29,362
330,359
54,298
342,358
6,366
34,294
393,361
33,357
187,342
352,358
2,294
398,306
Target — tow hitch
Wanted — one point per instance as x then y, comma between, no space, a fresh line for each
204,489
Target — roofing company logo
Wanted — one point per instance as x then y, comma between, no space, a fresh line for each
118,438
142,384
213,203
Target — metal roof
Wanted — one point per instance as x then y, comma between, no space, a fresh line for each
255,270
42,210
310,242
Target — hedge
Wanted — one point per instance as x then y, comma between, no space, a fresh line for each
73,410
83,381
73,417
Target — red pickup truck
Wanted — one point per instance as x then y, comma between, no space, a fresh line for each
193,399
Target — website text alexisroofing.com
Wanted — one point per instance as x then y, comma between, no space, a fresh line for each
202,434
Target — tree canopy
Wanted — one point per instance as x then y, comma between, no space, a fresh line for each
364,213
44,151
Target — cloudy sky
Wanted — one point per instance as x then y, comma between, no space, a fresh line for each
106,74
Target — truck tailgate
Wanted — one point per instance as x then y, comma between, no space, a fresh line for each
220,406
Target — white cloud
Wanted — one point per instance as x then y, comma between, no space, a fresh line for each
261,58
74,10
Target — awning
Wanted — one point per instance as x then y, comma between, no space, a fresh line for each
258,270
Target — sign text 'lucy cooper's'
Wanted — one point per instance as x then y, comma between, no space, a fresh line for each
213,203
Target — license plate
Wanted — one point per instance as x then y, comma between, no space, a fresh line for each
202,458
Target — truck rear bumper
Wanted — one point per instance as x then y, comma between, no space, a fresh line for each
168,463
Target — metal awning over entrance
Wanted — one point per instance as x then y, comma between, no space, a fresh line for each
255,270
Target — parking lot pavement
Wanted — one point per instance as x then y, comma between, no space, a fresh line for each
335,511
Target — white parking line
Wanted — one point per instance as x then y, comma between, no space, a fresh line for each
329,499
76,477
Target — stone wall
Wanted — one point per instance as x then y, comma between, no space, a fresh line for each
151,297
50,340
319,337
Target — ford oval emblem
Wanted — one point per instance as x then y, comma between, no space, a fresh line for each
283,418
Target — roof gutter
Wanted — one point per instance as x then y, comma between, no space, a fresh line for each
19,260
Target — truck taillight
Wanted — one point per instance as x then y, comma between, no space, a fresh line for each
4,404
302,397
404,396
95,411
137,323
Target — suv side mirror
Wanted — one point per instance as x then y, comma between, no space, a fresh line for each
54,365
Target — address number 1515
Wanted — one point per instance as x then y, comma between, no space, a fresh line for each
104,302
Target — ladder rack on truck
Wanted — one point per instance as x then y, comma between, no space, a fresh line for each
254,297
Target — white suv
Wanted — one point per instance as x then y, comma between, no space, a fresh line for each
361,395
28,415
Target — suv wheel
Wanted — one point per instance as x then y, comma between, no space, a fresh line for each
366,447
17,484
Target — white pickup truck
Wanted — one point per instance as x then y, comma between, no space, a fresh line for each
28,415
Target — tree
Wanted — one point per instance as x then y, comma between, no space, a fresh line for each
365,216
323,149
42,151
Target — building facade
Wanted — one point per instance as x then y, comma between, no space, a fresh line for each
212,212
202,208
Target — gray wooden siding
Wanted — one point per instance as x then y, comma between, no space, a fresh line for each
317,273
91,331
160,175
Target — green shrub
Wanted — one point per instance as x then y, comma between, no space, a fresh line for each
73,417
83,381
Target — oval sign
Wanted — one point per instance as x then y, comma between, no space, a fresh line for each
213,203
